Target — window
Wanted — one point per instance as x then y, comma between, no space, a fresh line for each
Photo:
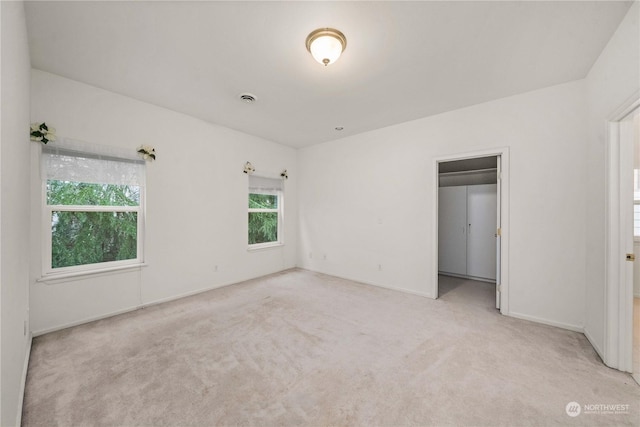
265,211
93,211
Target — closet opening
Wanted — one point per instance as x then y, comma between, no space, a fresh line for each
469,230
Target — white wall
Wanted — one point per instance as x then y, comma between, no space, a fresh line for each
14,212
368,199
612,80
636,270
636,244
196,202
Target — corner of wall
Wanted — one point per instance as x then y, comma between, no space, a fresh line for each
14,209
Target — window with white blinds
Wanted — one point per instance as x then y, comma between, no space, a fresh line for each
93,208
265,217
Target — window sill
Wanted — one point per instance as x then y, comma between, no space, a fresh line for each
262,246
53,278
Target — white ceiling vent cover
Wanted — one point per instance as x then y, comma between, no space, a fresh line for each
248,98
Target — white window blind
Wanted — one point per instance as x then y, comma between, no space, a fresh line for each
262,185
81,162
93,207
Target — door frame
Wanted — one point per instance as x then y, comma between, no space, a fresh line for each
618,295
503,152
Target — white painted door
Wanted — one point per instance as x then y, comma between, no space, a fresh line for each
452,230
626,238
481,231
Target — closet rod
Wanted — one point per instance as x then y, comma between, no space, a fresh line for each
469,172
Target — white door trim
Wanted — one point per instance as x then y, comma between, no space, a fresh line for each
503,152
618,308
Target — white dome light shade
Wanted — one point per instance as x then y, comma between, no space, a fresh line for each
326,45
326,49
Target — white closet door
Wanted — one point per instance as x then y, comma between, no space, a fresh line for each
452,230
481,235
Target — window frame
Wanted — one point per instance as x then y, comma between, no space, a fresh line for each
280,213
47,212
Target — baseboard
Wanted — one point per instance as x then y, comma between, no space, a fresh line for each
143,305
595,346
85,320
575,328
23,380
378,285
198,291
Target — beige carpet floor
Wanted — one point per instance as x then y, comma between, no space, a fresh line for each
305,349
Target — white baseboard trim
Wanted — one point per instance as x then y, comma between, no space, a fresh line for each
575,328
378,285
145,304
23,380
197,291
593,343
85,320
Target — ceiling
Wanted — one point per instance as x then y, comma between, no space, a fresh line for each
404,60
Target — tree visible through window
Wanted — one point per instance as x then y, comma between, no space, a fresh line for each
88,225
263,218
93,209
265,210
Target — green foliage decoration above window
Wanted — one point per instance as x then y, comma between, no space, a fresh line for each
42,133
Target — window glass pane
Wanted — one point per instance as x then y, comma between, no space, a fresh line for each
79,238
636,220
263,227
263,201
82,193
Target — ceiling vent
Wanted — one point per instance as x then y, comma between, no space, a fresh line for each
248,98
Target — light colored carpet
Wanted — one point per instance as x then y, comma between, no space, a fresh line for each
305,349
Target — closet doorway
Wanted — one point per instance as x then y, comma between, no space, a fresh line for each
470,227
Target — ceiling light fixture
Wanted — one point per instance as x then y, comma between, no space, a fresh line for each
326,45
